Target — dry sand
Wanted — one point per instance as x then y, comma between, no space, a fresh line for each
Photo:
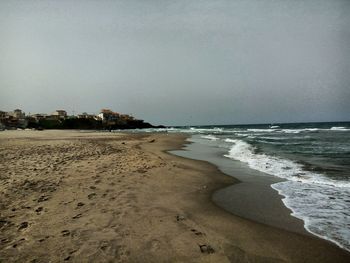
68,196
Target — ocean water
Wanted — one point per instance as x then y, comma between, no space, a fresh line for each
313,158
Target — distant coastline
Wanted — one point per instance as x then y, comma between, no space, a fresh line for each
59,119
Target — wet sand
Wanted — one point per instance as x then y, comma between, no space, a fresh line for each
69,196
252,197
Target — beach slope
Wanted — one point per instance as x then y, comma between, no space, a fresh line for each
69,196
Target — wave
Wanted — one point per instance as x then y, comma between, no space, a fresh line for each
269,130
283,168
261,130
284,130
204,130
339,129
241,131
285,138
325,209
322,203
279,142
210,137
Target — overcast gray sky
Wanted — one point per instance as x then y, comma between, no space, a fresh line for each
179,62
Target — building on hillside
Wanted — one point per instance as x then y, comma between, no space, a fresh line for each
85,115
11,122
109,117
13,119
59,114
17,114
127,117
39,116
3,115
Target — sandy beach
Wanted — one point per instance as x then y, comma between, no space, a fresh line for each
69,196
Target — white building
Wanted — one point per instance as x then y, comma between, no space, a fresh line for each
62,114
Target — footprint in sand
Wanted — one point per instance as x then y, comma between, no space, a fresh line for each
39,209
43,239
43,198
65,233
80,204
23,225
92,195
197,233
206,249
77,216
180,217
155,245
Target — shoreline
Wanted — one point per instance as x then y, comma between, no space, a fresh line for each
123,197
252,196
269,208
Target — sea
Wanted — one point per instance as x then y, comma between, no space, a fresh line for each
312,158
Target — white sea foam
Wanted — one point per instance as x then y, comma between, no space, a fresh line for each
210,137
312,197
283,130
281,138
288,131
278,142
339,129
284,168
241,134
300,130
274,126
261,130
324,209
204,130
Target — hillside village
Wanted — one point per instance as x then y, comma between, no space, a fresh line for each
59,119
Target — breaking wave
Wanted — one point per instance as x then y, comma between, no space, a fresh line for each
316,199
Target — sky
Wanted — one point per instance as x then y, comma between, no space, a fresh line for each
179,62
